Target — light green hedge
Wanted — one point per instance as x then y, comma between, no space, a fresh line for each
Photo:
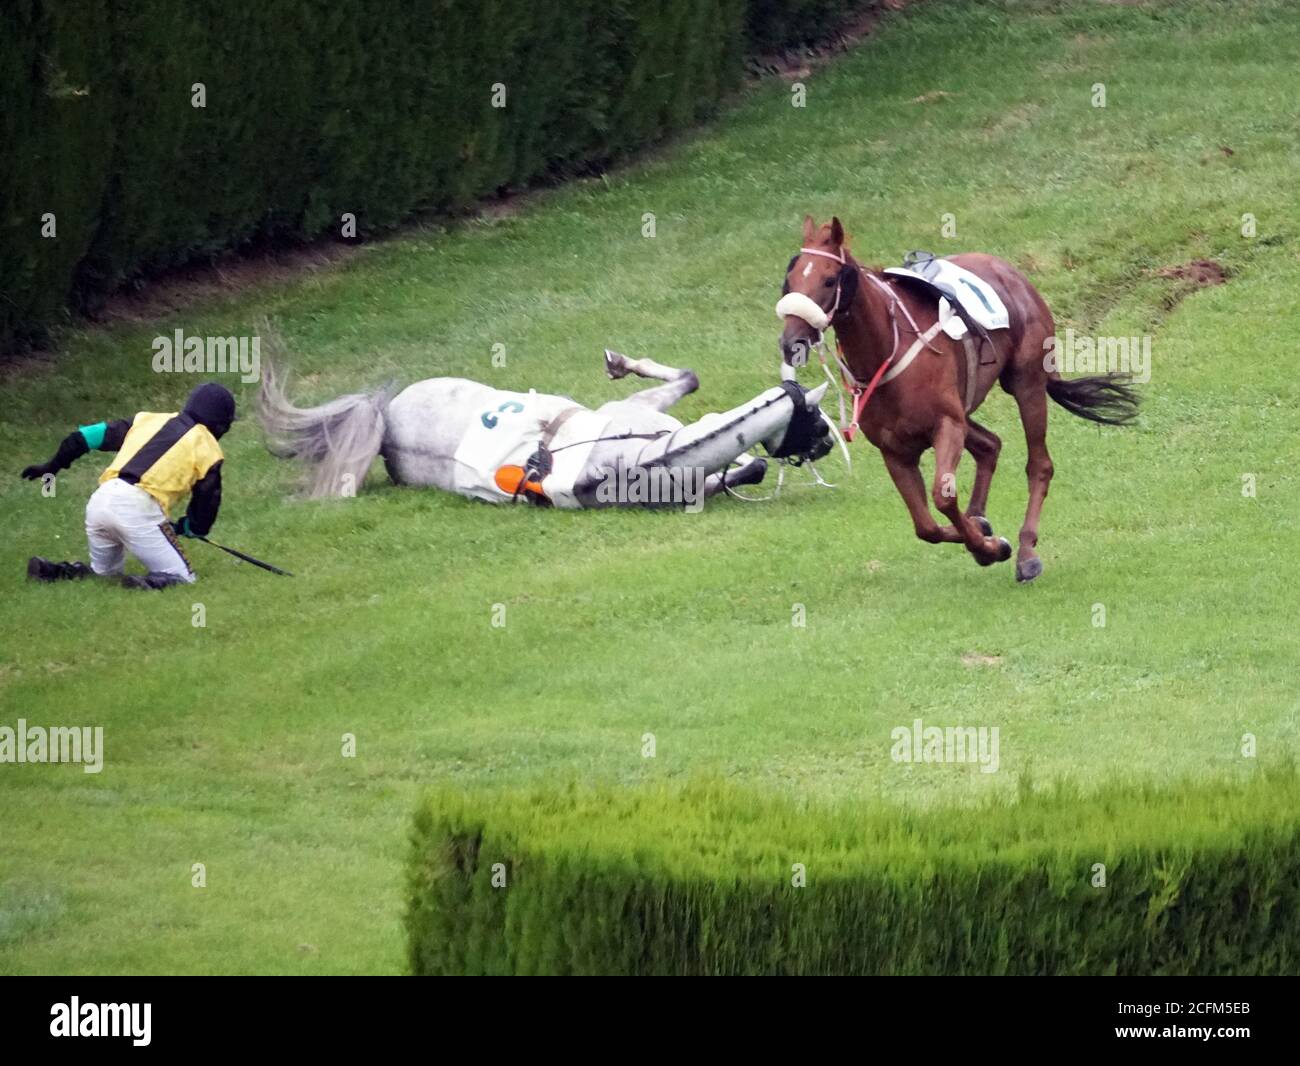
379,108
698,880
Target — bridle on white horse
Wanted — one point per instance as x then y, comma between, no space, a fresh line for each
805,307
803,450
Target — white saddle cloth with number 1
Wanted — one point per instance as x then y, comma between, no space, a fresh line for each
978,299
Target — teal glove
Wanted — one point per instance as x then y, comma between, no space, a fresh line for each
182,527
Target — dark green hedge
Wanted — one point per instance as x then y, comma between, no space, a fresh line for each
774,25
56,150
380,108
1198,880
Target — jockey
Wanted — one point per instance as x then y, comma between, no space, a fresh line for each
160,458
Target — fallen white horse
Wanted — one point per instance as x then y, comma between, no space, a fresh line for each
471,439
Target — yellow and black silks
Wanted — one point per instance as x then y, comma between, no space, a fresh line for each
166,455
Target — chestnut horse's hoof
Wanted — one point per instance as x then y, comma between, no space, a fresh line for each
1028,569
1002,554
986,527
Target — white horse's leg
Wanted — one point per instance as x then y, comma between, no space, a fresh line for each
751,471
661,397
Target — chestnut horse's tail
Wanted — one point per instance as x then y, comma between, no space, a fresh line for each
1105,398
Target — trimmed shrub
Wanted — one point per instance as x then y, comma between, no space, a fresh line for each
1203,879
773,25
56,147
378,108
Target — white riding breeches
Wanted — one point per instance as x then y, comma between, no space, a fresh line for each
122,518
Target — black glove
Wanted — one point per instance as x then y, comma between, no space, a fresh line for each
36,471
181,527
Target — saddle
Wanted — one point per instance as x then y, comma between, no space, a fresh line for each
968,306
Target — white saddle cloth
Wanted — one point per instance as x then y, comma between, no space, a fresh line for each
507,427
976,296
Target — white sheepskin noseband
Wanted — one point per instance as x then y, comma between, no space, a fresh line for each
801,306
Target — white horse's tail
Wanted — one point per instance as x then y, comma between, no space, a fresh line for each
336,441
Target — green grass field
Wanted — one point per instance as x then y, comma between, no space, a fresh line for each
223,743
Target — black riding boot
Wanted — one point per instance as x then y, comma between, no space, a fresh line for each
39,569
151,581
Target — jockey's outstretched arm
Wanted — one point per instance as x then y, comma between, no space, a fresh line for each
101,436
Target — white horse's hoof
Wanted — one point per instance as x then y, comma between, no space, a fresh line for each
615,365
751,473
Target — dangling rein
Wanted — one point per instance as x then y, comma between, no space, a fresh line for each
806,308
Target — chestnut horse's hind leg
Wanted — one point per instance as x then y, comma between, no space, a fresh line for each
661,397
1030,392
948,444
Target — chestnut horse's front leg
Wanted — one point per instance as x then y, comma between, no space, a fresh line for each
949,441
906,472
984,446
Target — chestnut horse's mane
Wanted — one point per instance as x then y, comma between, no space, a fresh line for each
874,268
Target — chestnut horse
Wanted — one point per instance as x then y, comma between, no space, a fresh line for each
877,317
